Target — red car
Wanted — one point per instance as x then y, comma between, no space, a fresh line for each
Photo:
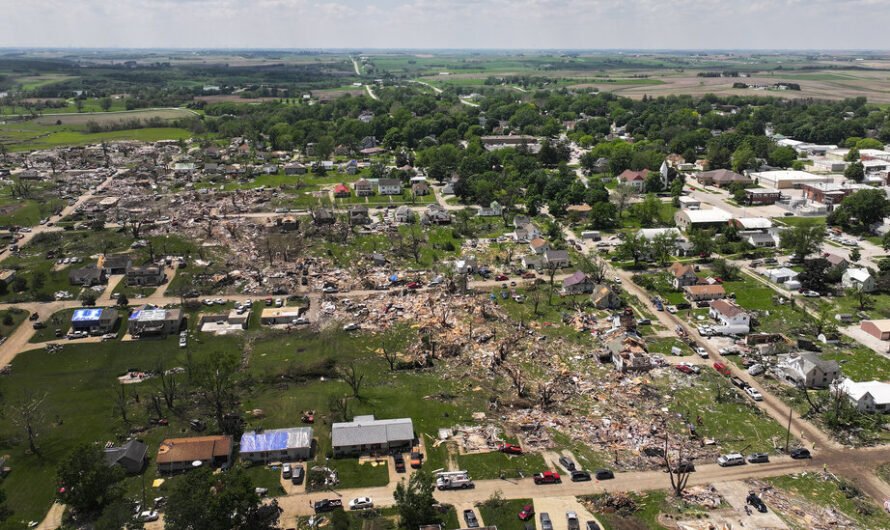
722,368
529,275
528,511
413,285
501,278
547,477
683,368
510,449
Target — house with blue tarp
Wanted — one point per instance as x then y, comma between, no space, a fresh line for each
94,319
277,445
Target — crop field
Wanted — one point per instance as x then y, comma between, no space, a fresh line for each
24,136
104,118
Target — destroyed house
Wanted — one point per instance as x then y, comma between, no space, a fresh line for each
86,277
115,264
150,275
131,456
323,216
628,353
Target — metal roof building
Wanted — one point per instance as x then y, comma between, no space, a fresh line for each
365,434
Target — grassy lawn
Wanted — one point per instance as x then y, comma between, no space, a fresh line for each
828,493
78,386
505,515
355,475
28,212
800,221
60,320
266,477
727,417
878,306
754,296
858,362
664,345
490,465
10,319
27,136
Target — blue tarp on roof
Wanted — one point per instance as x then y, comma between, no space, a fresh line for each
276,440
87,315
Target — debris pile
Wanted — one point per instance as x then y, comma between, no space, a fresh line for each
804,513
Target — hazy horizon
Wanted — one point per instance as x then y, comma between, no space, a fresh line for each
641,25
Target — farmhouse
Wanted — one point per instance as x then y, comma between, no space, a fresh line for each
809,370
858,278
365,434
682,274
180,454
577,283
389,187
363,188
276,445
635,179
341,190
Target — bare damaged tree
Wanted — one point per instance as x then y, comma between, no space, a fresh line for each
534,294
352,378
517,378
678,473
552,267
134,226
339,407
414,241
546,392
28,415
169,386
216,380
120,402
387,348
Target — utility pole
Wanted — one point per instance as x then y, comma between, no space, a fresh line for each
788,433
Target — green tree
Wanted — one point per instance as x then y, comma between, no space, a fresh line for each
852,155
201,499
803,240
603,215
703,243
633,247
782,157
648,210
865,207
855,255
86,484
105,103
855,172
216,380
663,246
743,158
415,501
725,270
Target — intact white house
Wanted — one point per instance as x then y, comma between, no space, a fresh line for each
867,396
729,314
858,278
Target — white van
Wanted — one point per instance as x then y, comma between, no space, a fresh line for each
732,459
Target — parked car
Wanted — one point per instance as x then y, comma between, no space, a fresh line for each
416,459
547,477
510,449
756,369
739,382
756,502
754,393
683,368
327,505
567,463
399,460
758,458
801,453
501,278
580,476
298,475
572,521
684,467
148,516
731,459
527,512
722,368
592,525
470,518
546,523
604,474
701,351
286,471
38,325
361,503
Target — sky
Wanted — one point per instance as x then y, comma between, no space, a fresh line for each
437,24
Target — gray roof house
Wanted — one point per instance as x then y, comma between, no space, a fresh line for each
365,434
131,456
809,370
86,277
